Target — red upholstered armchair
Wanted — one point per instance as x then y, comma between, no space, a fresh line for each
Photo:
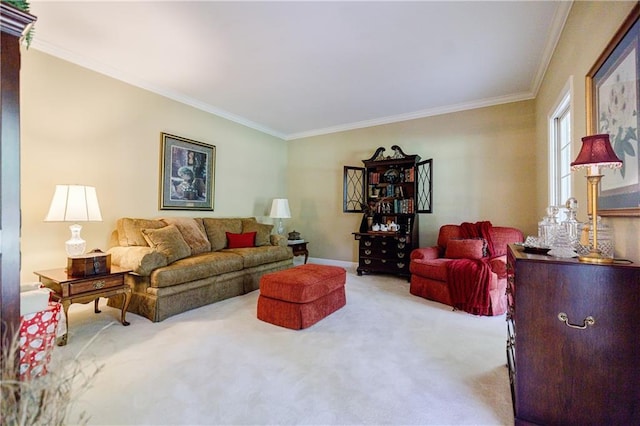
467,269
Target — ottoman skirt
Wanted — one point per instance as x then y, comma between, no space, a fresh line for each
297,316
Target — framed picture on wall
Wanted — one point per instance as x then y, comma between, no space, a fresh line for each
187,174
613,97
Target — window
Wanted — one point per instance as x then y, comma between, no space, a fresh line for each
560,150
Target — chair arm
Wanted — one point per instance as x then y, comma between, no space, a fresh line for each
426,253
498,265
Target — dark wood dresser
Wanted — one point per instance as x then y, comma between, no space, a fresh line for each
573,344
384,252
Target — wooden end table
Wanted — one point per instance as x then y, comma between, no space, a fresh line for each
68,290
299,249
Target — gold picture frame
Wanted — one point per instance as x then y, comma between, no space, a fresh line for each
187,174
612,97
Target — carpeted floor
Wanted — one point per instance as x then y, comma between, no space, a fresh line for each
387,357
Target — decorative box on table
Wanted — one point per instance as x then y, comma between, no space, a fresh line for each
86,265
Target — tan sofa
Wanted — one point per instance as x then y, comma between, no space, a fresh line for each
183,263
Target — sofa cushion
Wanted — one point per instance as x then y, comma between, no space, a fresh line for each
255,256
192,232
448,232
241,240
302,284
130,230
168,241
262,230
216,229
435,269
471,248
193,268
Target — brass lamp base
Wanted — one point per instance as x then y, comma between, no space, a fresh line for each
595,256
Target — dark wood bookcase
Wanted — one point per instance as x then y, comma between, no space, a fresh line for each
388,189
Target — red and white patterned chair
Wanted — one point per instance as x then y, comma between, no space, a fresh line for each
39,318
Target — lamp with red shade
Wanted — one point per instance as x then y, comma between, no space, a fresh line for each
596,152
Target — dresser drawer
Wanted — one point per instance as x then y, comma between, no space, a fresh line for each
384,265
390,253
385,247
94,284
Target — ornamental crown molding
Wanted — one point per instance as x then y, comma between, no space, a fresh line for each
14,21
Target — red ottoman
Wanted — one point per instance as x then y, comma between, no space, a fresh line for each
299,297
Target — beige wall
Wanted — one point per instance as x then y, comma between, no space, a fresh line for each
588,30
482,170
489,164
79,126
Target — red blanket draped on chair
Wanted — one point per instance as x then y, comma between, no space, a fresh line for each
468,279
478,230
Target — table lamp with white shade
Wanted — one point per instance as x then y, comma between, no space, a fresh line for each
74,203
280,210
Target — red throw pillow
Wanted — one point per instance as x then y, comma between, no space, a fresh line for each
241,240
464,249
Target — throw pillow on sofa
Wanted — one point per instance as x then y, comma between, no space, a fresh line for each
168,241
241,240
130,230
464,249
193,234
216,229
262,230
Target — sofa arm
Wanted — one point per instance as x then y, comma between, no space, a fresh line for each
425,253
278,240
141,260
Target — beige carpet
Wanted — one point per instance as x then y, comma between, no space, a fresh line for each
387,357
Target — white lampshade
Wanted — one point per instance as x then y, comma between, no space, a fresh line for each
280,209
74,203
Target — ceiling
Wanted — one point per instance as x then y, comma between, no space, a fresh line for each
294,69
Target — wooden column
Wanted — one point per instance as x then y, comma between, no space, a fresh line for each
13,23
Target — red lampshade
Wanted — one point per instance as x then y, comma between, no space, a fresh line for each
596,151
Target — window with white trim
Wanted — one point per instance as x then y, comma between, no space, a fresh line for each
560,151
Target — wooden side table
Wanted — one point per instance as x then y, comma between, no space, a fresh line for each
300,248
68,290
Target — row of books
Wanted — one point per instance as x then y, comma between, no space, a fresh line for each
396,206
387,191
405,175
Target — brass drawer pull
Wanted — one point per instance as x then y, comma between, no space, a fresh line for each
587,321
98,284
367,243
367,252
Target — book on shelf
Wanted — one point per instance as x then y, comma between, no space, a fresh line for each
295,241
